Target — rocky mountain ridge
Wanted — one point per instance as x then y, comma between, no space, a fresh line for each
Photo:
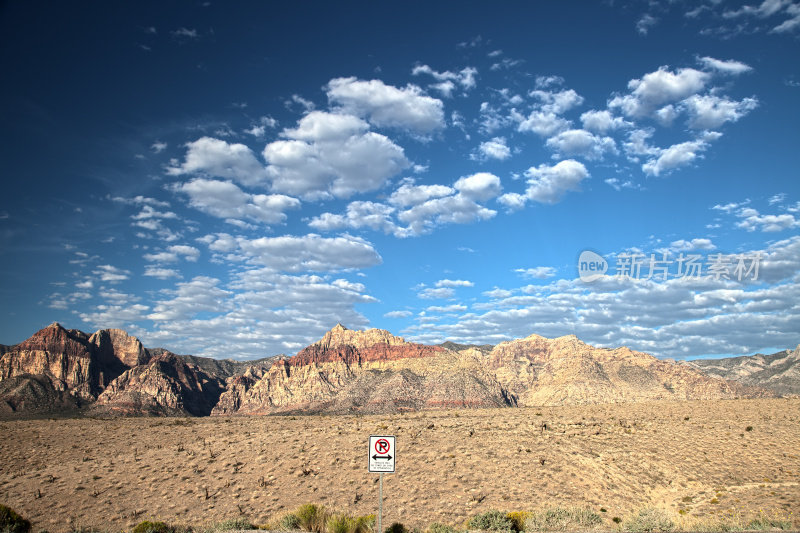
112,373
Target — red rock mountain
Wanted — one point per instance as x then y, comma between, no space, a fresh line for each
371,371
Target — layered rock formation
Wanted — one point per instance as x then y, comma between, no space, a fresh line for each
779,372
166,385
374,371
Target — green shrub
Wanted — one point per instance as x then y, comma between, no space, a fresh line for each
765,523
436,527
491,521
152,527
11,522
312,517
289,522
339,523
363,524
518,519
232,524
562,518
648,520
397,527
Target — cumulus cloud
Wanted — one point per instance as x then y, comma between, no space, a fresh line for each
311,252
398,314
602,121
161,273
495,148
220,159
332,155
580,143
711,111
440,293
548,184
678,155
225,200
173,253
752,220
111,273
387,106
657,89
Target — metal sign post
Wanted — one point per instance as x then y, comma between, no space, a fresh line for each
381,456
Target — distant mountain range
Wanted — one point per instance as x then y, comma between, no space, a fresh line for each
110,373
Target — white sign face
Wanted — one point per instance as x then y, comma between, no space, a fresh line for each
382,453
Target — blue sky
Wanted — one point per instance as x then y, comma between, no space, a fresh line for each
233,180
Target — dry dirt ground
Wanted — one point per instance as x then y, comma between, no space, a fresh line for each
696,456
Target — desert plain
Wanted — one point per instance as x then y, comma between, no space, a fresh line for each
697,460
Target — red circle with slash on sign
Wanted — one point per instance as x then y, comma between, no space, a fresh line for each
382,446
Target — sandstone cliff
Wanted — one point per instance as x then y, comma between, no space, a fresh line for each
779,372
166,385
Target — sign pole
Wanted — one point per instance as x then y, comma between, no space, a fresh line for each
380,505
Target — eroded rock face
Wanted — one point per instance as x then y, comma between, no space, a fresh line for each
116,345
779,372
166,385
64,356
541,371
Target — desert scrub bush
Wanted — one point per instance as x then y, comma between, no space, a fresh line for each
231,524
436,527
289,522
766,523
11,522
647,520
363,524
152,527
312,517
518,519
339,523
396,527
491,521
561,519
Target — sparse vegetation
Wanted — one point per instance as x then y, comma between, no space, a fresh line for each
647,520
289,522
518,519
153,527
491,521
396,527
232,524
562,519
11,522
436,527
312,517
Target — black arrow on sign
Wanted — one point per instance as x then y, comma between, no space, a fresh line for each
387,457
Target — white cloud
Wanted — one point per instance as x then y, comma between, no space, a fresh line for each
218,158
767,8
656,89
548,184
644,23
543,82
710,111
410,194
678,155
479,187
139,200
160,273
436,294
541,272
683,245
557,102
729,66
330,154
790,24
752,220
173,253
259,129
543,124
777,198
580,143
111,273
158,147
190,298
454,308
454,283
224,199
602,121
387,106
360,214
398,314
447,79
494,149
310,252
